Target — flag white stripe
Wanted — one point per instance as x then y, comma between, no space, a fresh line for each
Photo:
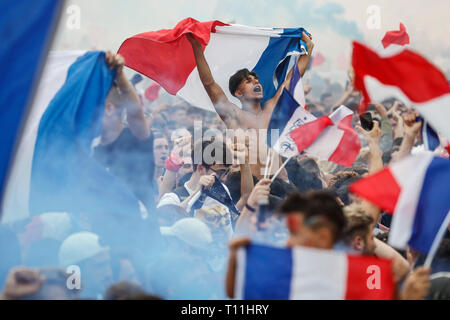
409,173
434,111
221,53
318,274
240,274
327,142
15,205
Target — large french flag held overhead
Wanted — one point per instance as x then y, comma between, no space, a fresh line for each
415,190
299,273
166,56
407,76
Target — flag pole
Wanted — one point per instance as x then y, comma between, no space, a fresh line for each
280,168
272,159
437,241
269,154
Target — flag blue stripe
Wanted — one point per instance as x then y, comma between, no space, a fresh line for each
275,60
281,114
294,80
430,137
276,266
26,28
64,175
433,204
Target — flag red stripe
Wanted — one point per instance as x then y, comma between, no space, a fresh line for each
166,55
307,133
380,189
349,146
419,80
369,278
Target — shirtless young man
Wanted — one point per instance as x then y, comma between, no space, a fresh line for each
245,86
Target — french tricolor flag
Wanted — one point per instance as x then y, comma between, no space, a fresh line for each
415,190
394,42
407,76
166,56
330,138
300,273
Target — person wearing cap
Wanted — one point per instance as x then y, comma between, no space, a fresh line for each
185,270
84,250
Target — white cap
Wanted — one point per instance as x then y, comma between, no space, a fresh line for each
57,225
78,247
191,230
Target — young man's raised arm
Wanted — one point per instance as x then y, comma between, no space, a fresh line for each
129,98
227,111
302,64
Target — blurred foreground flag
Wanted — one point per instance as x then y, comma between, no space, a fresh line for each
407,76
166,56
26,29
415,190
299,273
396,37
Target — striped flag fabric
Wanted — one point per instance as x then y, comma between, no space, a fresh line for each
407,76
27,29
166,56
394,42
300,273
15,204
429,137
414,191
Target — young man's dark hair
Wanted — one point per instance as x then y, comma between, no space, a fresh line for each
199,147
302,179
322,203
236,79
281,188
295,202
341,182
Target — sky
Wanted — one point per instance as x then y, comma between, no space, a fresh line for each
105,24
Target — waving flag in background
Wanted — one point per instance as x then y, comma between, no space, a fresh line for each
16,194
396,37
429,137
302,273
62,175
166,56
407,76
394,42
318,59
329,138
415,191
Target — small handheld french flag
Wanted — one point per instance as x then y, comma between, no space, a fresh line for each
300,273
